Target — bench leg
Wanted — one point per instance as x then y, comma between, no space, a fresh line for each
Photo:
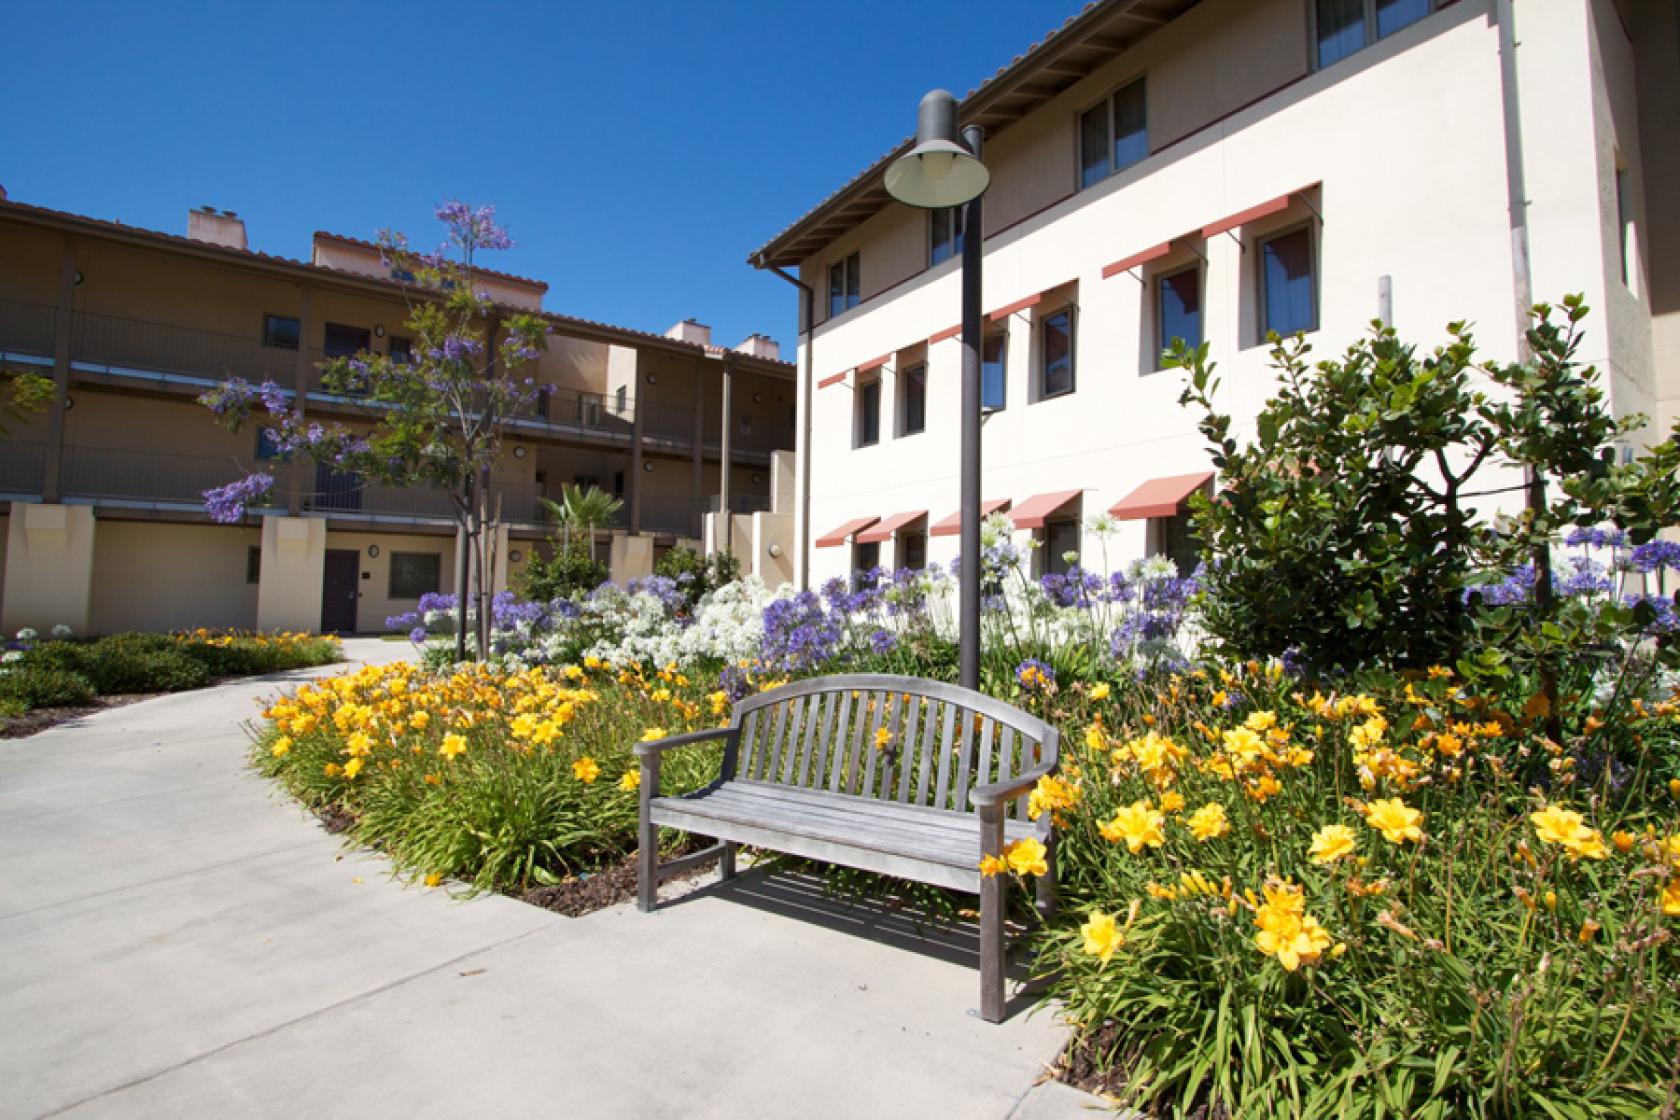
726,862
992,901
647,840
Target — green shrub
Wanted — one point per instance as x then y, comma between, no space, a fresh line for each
695,575
25,688
60,656
121,665
570,567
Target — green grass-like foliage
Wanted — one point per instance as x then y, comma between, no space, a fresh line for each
501,778
1485,965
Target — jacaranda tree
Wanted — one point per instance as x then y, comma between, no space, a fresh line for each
432,417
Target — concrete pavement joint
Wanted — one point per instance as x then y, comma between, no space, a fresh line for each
319,1012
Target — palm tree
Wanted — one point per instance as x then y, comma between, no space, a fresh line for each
587,509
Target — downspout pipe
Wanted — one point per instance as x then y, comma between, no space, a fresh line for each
807,319
1516,186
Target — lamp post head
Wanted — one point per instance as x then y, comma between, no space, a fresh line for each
939,171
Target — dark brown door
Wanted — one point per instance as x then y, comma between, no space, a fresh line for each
339,590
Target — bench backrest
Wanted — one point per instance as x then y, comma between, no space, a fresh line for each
940,740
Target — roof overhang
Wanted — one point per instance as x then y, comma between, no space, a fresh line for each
1087,41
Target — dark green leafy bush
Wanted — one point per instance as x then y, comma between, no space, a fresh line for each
25,687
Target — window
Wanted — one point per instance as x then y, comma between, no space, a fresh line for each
912,549
1342,27
1056,354
414,574
618,484
843,285
994,384
945,234
1061,541
281,332
402,350
912,400
1288,283
867,426
342,341
1175,538
1113,135
1624,223
866,557
1178,307
253,564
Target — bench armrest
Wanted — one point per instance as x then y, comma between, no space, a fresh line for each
987,796
659,746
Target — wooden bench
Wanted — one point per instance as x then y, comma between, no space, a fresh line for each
807,771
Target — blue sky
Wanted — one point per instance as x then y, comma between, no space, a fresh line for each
636,150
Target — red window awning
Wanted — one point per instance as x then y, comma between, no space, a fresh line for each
1254,213
839,535
952,525
1160,497
888,526
833,379
1036,510
1009,309
874,363
948,332
1126,264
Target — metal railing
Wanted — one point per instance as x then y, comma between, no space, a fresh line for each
739,503
139,345
662,514
23,466
26,329
121,474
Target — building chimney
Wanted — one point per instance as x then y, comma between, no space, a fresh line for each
761,346
691,330
224,228
3,195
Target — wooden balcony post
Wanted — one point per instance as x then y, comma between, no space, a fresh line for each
639,401
51,479
303,372
723,452
697,523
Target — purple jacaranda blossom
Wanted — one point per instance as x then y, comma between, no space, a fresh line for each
472,228
230,398
226,504
273,397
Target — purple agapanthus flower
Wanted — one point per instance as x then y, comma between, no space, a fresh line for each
883,642
1652,555
1596,537
1035,674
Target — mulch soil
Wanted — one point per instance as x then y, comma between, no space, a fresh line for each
39,719
1096,1063
598,890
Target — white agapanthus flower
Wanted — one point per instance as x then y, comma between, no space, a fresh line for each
62,632
27,634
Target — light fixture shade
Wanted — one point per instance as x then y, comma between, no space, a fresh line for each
939,172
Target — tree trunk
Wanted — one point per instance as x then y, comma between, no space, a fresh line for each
1544,601
464,553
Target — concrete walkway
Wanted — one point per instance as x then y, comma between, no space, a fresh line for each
176,941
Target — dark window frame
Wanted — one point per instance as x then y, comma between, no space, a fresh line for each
1177,533
394,592
944,248
861,551
861,413
910,540
1368,21
1001,338
1261,311
1042,343
253,563
269,336
845,283
1086,172
913,374
1052,561
1158,283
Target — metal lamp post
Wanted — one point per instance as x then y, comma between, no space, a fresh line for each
940,173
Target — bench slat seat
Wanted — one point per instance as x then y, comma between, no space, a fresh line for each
895,775
814,823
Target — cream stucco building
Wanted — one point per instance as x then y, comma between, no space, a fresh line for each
1214,170
101,501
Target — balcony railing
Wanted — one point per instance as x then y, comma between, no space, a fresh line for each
26,331
740,503
23,466
140,346
119,474
669,515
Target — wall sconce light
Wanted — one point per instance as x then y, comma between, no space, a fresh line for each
79,276
758,398
373,550
515,556
758,478
378,330
519,453
647,465
775,551
653,379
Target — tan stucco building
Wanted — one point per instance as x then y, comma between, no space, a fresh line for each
101,501
1213,170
